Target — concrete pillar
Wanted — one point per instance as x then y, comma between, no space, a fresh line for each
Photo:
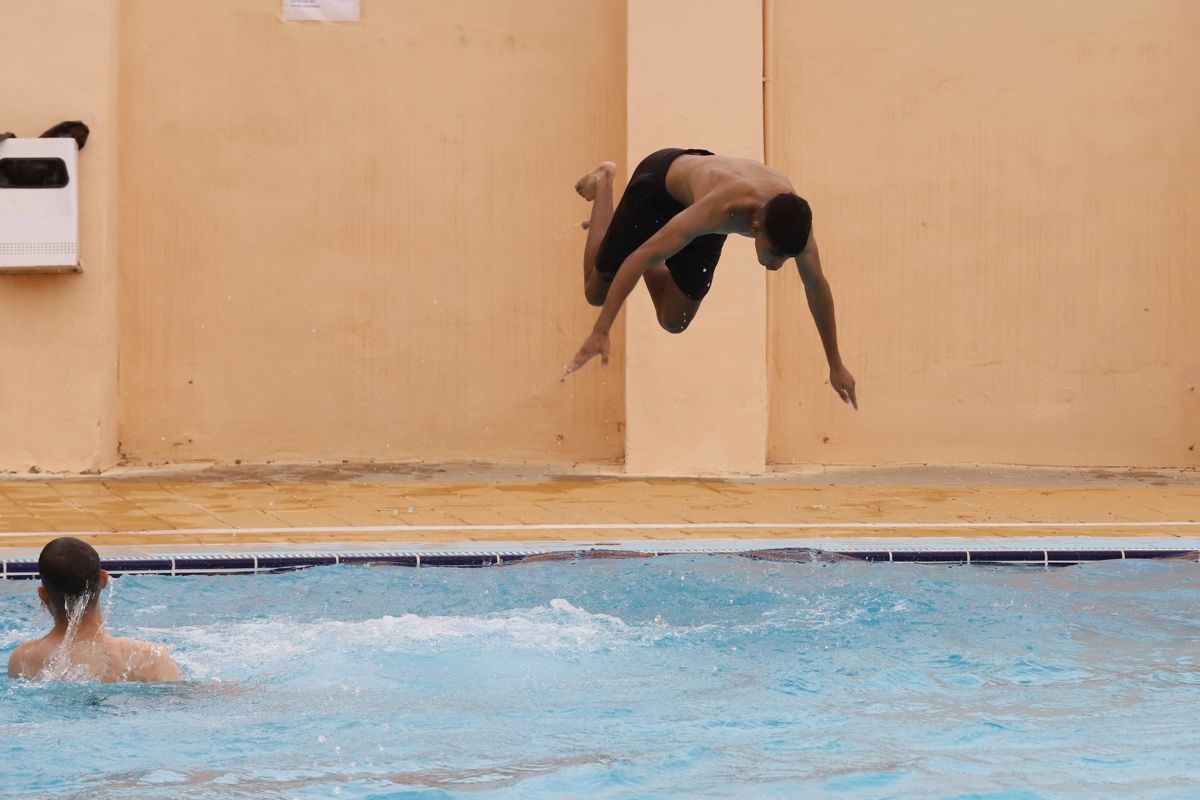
696,403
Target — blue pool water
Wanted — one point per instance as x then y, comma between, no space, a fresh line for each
680,676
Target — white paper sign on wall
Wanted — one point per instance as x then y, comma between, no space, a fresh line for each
321,10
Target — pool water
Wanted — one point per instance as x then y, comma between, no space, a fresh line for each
677,676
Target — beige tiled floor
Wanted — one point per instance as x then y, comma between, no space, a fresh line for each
173,510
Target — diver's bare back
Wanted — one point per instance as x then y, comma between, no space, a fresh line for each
744,185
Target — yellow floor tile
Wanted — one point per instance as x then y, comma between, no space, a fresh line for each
46,507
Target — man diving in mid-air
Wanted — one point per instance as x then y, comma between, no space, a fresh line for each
669,229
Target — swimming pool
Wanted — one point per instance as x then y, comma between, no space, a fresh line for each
676,676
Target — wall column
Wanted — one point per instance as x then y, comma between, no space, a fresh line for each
696,403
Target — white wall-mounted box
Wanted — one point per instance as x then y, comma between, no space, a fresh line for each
39,205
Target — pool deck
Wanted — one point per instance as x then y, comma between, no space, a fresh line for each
132,512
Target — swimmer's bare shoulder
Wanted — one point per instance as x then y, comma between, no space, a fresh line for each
147,662
127,660
23,662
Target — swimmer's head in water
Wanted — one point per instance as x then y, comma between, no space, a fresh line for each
71,574
785,223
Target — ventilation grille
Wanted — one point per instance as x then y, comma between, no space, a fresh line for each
37,249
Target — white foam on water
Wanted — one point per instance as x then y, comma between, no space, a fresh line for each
26,627
557,627
276,644
16,636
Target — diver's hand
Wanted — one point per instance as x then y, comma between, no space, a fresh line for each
596,344
843,383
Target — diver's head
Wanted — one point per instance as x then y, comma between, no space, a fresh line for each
781,229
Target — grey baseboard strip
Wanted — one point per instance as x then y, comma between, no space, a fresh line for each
267,562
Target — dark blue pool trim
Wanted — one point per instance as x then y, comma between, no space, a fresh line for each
253,563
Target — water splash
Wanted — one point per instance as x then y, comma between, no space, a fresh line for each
110,598
59,665
277,644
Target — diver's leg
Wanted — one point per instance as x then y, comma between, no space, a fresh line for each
674,309
596,186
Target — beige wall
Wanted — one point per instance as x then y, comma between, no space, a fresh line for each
361,240
697,402
1005,198
58,333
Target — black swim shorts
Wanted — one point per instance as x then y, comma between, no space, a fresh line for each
644,209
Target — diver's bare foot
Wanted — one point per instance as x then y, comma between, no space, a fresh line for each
586,186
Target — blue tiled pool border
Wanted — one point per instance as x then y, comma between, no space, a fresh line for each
17,568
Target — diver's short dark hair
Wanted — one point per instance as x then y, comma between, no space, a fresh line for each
69,568
787,221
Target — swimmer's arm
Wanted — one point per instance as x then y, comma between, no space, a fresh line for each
820,303
657,249
705,216
696,220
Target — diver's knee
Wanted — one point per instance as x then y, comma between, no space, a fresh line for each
673,325
595,298
595,289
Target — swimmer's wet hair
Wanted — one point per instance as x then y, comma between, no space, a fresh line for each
70,569
787,220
